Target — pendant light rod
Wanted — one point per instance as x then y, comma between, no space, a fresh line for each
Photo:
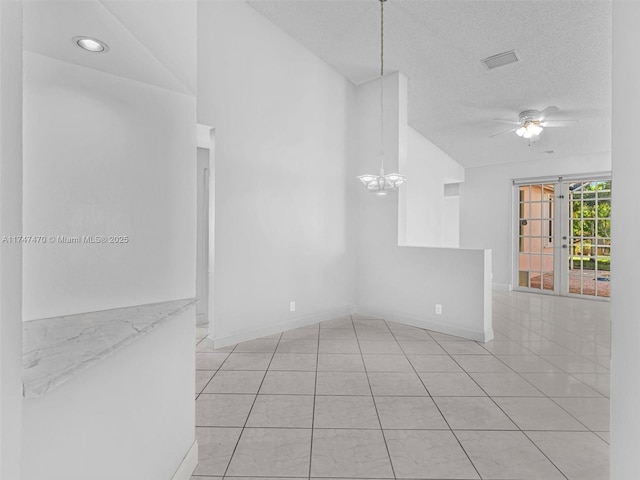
382,87
382,37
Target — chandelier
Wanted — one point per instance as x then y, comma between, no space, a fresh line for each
381,184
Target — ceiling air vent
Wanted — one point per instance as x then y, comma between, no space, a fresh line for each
500,59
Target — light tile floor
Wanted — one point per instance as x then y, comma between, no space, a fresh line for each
364,398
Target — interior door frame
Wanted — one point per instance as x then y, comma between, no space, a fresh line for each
206,141
561,253
560,230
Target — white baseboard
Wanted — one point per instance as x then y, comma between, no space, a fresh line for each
429,324
263,331
502,287
488,335
201,319
188,464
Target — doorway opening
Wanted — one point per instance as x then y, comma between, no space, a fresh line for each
563,236
205,226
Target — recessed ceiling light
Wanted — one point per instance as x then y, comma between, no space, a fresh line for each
500,60
91,44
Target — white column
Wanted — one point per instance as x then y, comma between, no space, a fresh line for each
10,225
625,300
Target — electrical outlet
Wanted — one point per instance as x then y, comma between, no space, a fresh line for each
292,306
438,309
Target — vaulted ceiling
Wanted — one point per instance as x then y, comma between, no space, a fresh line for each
565,60
150,41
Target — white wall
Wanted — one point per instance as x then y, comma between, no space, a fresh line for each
104,155
625,301
486,203
129,417
404,283
428,169
10,224
283,218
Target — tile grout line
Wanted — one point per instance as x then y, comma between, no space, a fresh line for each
522,430
500,408
373,398
313,410
252,405
545,455
519,374
216,370
214,374
571,414
434,402
539,356
443,429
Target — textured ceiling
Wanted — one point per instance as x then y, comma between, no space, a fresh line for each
565,60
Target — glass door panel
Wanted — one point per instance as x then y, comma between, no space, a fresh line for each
589,238
536,237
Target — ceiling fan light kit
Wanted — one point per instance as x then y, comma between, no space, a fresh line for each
531,123
381,184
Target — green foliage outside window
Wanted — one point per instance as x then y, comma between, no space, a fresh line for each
583,206
591,224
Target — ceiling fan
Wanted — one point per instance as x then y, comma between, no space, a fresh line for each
531,123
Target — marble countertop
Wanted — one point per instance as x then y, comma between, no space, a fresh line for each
56,349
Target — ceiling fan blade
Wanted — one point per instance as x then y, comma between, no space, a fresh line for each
546,112
558,123
502,120
502,133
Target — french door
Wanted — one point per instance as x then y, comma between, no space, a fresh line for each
562,236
